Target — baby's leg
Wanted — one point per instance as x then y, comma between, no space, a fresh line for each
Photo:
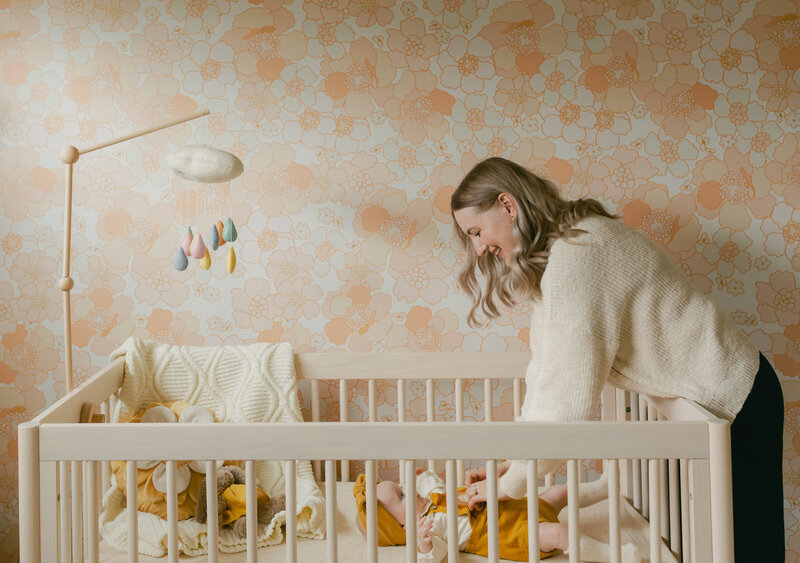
588,493
556,536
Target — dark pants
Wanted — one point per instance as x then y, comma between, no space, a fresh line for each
756,458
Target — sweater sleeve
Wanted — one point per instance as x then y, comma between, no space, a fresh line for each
569,377
574,340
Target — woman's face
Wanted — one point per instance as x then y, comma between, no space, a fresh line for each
490,230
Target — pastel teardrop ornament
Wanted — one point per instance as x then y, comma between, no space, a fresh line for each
229,232
205,263
214,238
186,242
180,261
230,261
198,247
219,232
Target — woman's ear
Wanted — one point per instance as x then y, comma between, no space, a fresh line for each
508,204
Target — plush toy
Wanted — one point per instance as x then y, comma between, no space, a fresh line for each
231,501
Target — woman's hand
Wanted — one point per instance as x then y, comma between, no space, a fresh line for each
476,494
474,475
424,538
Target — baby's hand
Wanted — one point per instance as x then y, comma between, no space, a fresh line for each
424,538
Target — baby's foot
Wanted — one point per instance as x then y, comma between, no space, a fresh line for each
630,553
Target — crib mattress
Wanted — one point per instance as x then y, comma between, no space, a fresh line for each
352,547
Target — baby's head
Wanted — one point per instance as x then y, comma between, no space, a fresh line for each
391,510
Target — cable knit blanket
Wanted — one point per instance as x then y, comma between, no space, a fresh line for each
241,384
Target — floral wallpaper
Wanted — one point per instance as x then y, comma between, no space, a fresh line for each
355,120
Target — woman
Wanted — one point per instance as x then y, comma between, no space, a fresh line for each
608,305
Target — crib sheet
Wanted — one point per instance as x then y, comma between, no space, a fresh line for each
352,547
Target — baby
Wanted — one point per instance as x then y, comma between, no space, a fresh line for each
431,510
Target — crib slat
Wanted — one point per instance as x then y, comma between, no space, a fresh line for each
92,537
458,391
686,527
655,511
330,511
674,508
643,463
573,503
612,467
77,516
452,511
172,512
291,511
487,399
372,512
343,418
626,484
251,501
411,514
105,467
48,511
373,408
431,416
636,464
132,513
212,523
65,486
517,398
533,511
663,489
315,418
401,417
491,511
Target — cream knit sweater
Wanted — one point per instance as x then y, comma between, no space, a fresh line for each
614,308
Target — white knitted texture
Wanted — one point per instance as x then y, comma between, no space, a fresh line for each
614,308
240,384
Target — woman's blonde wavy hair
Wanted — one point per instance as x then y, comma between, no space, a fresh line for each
543,217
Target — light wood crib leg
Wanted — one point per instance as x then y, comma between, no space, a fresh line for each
29,531
719,437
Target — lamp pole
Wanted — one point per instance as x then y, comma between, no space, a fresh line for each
69,155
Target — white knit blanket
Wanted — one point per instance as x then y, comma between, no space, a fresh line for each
241,384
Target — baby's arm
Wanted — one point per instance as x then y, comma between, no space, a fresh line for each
431,544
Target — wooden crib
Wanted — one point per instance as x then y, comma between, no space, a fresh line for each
669,458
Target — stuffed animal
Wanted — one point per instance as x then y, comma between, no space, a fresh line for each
231,501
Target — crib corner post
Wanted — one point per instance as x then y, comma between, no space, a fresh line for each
719,457
29,517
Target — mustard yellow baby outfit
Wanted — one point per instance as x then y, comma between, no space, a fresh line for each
472,526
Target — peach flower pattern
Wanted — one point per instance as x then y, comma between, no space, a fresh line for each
779,299
355,122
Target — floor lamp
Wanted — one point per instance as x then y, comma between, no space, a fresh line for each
69,155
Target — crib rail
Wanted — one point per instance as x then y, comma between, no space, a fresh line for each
659,453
